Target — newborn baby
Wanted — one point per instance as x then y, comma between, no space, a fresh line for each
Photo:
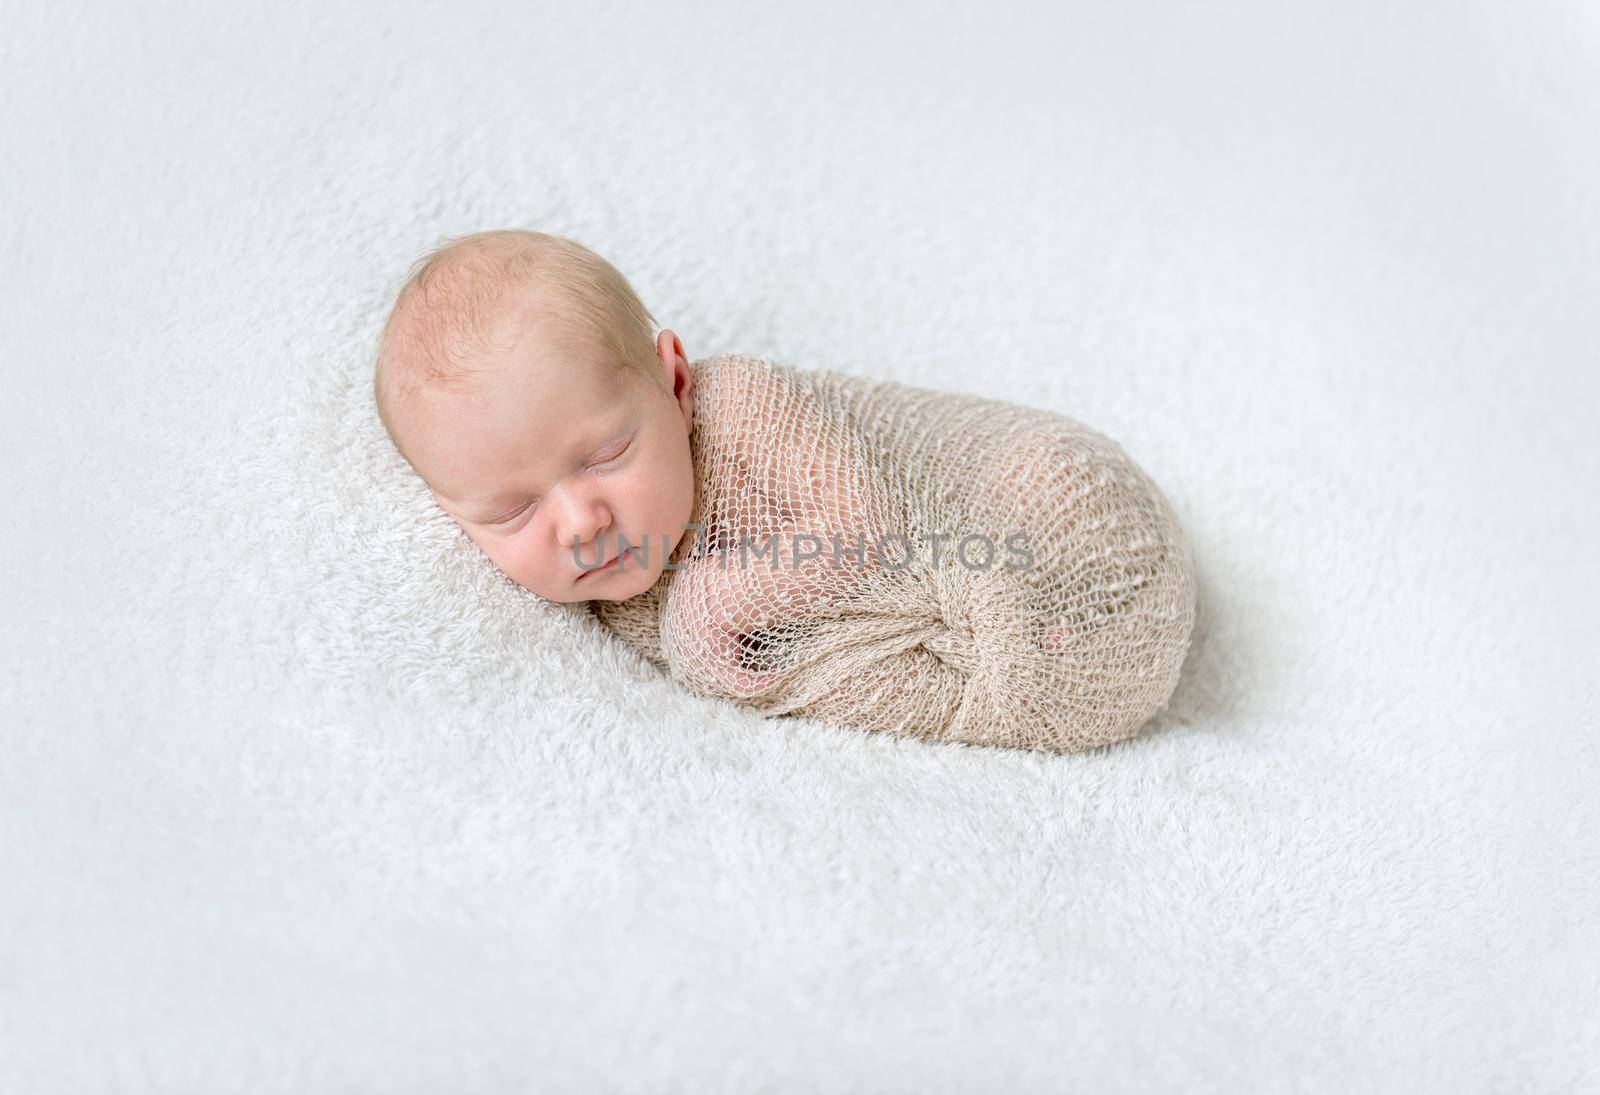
802,542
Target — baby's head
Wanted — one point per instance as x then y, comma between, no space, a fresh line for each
519,377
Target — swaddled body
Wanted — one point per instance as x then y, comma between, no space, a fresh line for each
919,562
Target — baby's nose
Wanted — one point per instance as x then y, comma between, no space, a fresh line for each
582,520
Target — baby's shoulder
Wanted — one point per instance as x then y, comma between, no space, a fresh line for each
751,385
738,374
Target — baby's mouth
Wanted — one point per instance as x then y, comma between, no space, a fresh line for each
610,564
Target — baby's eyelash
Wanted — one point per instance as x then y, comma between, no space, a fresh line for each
606,460
513,515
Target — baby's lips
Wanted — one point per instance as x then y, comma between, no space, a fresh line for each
586,571
631,557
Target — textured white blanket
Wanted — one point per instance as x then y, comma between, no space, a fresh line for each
298,794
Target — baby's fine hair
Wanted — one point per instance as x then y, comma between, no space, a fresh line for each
449,312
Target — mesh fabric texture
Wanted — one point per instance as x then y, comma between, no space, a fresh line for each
917,562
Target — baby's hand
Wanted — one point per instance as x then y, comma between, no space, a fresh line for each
735,609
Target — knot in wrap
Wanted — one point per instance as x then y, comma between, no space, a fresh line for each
975,620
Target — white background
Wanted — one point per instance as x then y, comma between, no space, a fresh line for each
297,794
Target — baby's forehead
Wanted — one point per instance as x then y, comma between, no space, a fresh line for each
563,393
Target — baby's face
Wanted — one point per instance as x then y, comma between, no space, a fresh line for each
551,463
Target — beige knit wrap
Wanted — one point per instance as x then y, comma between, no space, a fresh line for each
928,563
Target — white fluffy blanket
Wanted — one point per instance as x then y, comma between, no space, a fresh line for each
299,795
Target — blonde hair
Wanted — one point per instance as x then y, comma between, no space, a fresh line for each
459,303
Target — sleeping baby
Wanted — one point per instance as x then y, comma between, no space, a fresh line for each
802,542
